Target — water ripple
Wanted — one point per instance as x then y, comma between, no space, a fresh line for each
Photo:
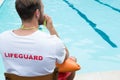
92,24
115,9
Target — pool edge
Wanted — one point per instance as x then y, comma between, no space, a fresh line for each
107,75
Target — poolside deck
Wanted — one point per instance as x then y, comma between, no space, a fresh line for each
111,75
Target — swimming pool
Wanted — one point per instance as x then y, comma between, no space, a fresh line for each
90,30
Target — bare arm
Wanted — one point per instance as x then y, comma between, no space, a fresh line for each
52,31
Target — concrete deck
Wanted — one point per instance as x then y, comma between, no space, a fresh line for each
111,75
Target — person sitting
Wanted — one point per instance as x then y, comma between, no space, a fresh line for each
29,53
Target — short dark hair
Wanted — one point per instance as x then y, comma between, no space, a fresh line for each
26,8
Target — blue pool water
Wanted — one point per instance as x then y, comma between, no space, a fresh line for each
89,28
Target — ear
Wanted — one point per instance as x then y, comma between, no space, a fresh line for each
37,13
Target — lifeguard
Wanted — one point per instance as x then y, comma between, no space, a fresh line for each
31,54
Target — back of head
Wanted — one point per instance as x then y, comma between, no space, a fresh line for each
26,8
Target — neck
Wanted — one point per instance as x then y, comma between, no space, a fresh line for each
29,25
28,28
